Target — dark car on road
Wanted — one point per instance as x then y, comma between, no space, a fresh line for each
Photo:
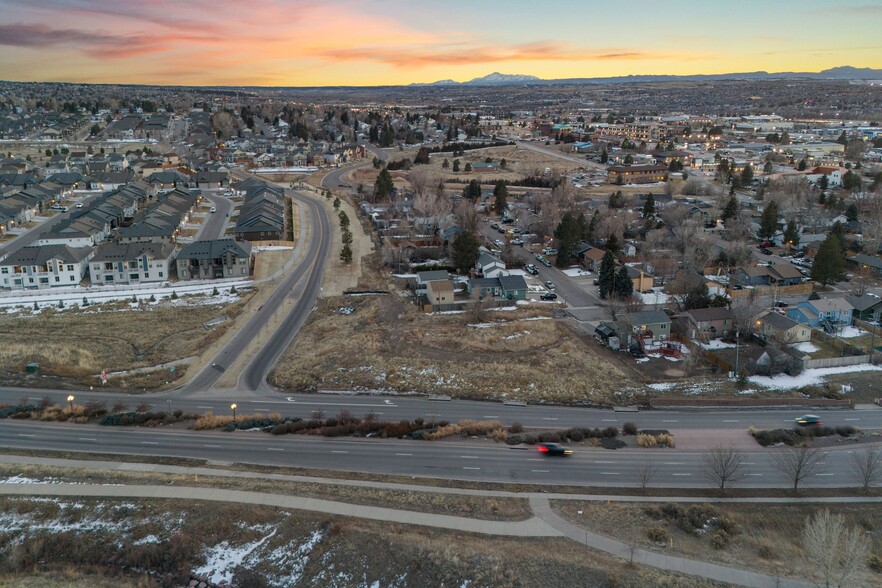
549,296
554,449
808,420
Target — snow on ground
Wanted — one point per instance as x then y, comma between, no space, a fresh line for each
516,272
404,276
271,248
851,332
662,386
575,272
810,377
222,559
97,294
25,480
657,297
715,344
146,540
805,347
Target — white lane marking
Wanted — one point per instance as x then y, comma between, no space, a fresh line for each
338,451
535,459
731,421
318,403
471,468
681,474
405,454
540,471
468,456
149,443
754,474
852,419
489,416
212,446
549,418
208,407
432,414
669,421
25,435
824,474
611,473
605,462
274,449
748,463
673,463
87,439
610,420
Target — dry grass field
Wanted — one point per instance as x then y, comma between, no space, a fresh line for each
766,537
387,343
75,344
81,542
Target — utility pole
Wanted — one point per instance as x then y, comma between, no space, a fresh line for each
737,336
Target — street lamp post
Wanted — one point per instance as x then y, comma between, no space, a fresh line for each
70,399
737,336
233,407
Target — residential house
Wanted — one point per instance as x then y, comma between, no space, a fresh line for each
709,323
506,287
219,258
824,313
774,326
439,292
651,323
590,257
423,279
262,215
870,263
784,274
131,263
490,266
640,279
45,267
866,308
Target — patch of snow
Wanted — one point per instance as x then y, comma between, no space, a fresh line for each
805,347
661,386
715,344
146,540
504,308
810,377
575,272
222,559
851,332
516,272
272,248
657,297
405,276
641,360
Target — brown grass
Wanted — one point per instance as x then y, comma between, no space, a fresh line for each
212,421
388,344
765,537
78,343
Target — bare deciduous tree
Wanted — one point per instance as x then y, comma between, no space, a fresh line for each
833,551
797,463
466,216
419,181
646,474
866,467
724,465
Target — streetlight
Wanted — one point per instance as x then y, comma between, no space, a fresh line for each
70,399
233,406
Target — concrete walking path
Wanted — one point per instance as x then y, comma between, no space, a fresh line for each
542,509
531,527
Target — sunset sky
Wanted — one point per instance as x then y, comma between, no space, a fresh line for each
374,42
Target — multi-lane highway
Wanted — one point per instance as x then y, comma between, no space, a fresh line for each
478,460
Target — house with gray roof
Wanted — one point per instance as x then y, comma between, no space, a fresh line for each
825,313
131,263
45,267
218,258
775,326
650,322
867,307
505,287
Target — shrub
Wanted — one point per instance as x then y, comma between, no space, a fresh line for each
610,443
671,511
629,429
658,534
665,439
874,562
576,435
845,431
765,551
611,432
644,440
549,438
531,439
719,540
516,428
726,524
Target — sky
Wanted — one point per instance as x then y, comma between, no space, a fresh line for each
380,42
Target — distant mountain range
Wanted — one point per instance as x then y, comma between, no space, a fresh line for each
845,72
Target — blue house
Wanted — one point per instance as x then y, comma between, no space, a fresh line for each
826,313
507,287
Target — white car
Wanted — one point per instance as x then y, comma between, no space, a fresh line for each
213,209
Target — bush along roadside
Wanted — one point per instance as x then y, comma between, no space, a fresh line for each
799,435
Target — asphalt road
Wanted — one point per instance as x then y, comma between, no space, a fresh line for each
216,222
310,269
466,460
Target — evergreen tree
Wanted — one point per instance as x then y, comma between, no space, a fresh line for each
500,193
346,254
445,164
838,231
592,227
730,211
383,186
455,165
649,207
767,167
851,213
829,263
624,287
607,277
785,138
472,190
802,165
468,168
465,251
769,221
824,182
612,243
422,156
746,175
791,233
567,235
851,181
604,157
843,139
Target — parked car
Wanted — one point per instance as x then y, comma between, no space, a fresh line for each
554,449
808,420
549,284
517,241
545,262
548,296
79,204
532,270
213,209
